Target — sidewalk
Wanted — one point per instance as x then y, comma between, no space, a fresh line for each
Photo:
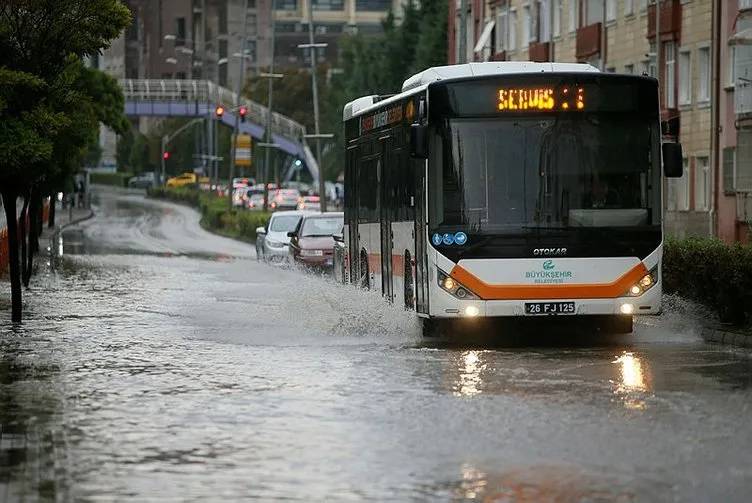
723,334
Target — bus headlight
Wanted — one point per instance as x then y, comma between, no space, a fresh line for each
454,287
645,284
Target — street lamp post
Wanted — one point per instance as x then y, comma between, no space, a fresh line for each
269,144
238,90
311,46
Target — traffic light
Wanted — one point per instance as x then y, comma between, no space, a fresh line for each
219,111
165,155
243,111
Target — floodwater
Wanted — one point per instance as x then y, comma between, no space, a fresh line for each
159,362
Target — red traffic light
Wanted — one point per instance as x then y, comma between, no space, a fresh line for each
219,111
165,155
243,111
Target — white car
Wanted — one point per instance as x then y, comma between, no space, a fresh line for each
272,241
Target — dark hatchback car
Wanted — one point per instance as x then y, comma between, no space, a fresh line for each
311,243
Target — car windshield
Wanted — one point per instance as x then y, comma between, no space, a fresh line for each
494,176
284,223
321,226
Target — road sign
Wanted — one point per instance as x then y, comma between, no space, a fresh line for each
243,150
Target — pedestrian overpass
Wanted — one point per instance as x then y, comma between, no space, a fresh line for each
200,98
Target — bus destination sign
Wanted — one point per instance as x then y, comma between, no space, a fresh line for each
381,119
541,99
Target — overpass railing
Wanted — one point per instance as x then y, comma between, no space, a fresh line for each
205,91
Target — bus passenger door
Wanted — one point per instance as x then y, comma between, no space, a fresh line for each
385,219
421,268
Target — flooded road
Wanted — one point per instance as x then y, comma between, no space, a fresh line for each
161,362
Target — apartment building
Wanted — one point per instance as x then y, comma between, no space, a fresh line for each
620,36
332,19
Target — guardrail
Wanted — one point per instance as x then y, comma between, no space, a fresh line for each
205,91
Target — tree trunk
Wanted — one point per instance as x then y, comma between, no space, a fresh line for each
51,217
22,236
9,203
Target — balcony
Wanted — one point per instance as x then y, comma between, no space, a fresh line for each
670,20
588,41
499,56
743,99
539,52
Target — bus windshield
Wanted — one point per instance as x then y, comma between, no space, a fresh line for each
559,171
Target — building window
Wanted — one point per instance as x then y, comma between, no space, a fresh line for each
501,30
729,170
702,184
628,7
703,76
685,78
292,5
574,14
527,26
513,29
610,10
629,69
180,35
330,5
670,85
643,5
731,66
558,6
373,5
678,191
594,11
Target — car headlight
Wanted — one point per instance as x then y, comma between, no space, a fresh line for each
274,244
311,253
644,284
454,287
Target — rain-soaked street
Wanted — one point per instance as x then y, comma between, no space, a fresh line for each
159,361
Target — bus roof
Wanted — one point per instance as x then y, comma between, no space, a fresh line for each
420,81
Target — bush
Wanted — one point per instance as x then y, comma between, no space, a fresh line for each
712,273
215,214
116,179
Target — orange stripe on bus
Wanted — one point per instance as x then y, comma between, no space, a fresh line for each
572,291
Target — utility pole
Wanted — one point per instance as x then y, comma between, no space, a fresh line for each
604,40
311,46
238,90
269,144
551,15
658,51
463,32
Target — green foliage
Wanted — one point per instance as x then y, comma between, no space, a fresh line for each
115,179
712,273
215,215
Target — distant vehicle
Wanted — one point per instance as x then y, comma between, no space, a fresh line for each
256,202
310,203
272,241
243,182
186,179
240,196
312,242
284,199
143,181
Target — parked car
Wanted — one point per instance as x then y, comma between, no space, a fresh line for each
311,203
272,240
311,243
143,181
284,199
186,179
256,202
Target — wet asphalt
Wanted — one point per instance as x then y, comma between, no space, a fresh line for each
161,362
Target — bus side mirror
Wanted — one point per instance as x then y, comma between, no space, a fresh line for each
418,141
673,160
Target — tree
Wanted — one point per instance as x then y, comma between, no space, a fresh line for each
41,42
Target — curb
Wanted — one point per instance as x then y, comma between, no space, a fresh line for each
730,336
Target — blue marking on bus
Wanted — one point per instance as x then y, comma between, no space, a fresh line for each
460,238
448,239
436,239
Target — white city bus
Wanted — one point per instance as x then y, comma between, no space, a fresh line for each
509,189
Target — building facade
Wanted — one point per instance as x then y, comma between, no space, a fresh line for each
687,56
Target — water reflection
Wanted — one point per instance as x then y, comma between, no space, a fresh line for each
469,381
635,378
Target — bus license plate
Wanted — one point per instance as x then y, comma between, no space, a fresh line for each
535,308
